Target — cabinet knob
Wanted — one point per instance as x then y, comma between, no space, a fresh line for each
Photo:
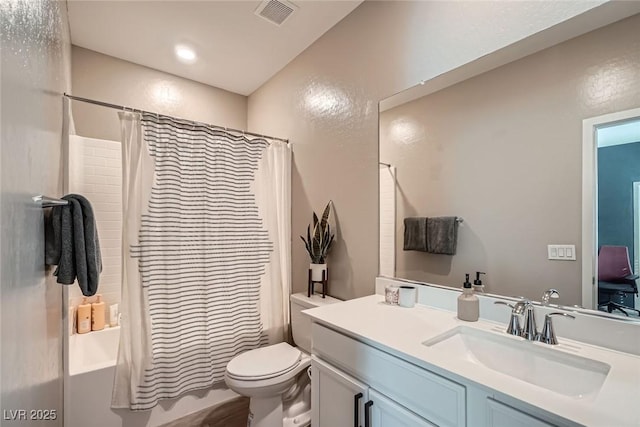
356,411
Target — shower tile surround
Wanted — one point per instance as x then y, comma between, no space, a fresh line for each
95,171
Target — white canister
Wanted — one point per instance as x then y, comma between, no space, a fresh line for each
391,294
407,296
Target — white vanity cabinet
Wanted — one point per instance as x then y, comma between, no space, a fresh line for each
357,384
338,399
501,415
341,400
386,412
405,392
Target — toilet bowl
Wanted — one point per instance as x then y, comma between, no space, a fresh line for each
276,377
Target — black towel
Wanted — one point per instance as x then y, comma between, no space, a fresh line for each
72,244
442,235
415,234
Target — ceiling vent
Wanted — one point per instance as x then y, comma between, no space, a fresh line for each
275,11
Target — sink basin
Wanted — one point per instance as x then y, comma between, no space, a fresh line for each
551,369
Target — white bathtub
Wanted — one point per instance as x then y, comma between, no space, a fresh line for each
89,381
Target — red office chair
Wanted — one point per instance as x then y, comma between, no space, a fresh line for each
616,278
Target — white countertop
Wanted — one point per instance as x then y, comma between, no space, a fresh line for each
401,332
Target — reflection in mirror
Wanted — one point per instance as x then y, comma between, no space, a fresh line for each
503,150
618,173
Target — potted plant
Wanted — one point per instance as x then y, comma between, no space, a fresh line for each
318,243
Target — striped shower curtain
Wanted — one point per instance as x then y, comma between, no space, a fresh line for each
206,238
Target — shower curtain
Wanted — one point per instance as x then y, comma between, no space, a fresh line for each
206,254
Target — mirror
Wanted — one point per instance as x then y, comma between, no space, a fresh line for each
503,151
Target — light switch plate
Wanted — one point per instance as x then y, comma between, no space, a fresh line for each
561,252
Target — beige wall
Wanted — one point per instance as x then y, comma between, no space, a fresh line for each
326,102
113,80
35,73
504,151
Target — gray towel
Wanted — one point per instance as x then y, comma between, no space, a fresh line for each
52,236
442,235
72,244
415,234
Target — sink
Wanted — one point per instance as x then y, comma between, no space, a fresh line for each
564,373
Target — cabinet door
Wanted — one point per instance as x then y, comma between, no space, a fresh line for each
387,413
337,400
501,415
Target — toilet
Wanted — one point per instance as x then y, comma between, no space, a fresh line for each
276,377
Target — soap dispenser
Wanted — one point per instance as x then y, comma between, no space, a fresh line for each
478,287
468,303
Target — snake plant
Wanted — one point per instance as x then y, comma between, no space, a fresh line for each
319,242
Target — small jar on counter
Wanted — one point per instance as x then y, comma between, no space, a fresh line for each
391,294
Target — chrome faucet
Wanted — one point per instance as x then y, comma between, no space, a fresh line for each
522,307
548,335
529,331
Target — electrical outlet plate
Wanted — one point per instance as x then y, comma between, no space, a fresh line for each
561,252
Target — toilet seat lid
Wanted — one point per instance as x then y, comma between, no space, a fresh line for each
264,362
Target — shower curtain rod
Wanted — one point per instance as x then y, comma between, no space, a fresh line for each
136,110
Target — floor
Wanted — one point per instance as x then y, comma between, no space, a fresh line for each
233,413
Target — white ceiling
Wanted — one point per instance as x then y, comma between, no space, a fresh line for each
237,50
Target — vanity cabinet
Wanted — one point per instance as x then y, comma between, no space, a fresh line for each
341,362
341,400
338,399
357,384
501,415
385,412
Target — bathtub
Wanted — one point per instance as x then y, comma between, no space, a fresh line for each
90,367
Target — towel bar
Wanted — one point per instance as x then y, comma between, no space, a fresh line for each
49,202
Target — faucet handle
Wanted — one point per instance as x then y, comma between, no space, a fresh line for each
557,313
520,306
503,303
548,294
514,322
548,335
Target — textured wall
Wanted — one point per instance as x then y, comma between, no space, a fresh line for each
326,102
109,79
504,151
35,73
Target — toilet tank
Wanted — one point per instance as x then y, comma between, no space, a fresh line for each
301,324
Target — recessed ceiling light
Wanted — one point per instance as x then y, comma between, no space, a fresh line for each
185,54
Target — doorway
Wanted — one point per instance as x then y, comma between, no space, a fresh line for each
611,181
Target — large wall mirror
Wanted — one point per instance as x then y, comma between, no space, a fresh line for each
504,151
